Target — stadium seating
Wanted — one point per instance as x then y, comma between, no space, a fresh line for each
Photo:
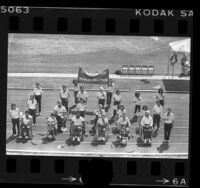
136,70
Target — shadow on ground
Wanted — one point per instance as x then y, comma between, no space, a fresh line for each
163,147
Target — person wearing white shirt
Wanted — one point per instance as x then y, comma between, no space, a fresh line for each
77,125
37,92
102,126
52,125
64,96
76,89
116,102
160,96
138,102
32,106
147,124
60,114
110,90
157,114
82,94
124,124
81,108
101,96
168,118
27,125
15,116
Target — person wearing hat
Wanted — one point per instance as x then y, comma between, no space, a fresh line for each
64,96
26,125
82,94
101,96
147,124
168,118
37,92
157,114
52,126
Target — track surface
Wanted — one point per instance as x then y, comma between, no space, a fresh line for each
178,147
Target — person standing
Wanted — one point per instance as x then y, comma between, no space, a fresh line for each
26,125
15,116
81,108
64,96
37,92
82,94
117,98
168,118
138,102
101,96
32,106
76,90
110,90
157,114
160,96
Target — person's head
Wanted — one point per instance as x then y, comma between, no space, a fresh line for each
26,113
145,108
31,97
117,92
124,114
52,115
160,91
13,106
75,82
169,110
78,115
158,102
81,100
137,94
121,107
64,87
82,89
146,113
37,84
59,103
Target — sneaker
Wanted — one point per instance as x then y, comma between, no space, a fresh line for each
26,137
145,141
78,139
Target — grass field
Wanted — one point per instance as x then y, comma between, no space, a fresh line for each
65,53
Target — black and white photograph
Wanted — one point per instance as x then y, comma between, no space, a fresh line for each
98,96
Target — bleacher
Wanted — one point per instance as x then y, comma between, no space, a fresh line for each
136,70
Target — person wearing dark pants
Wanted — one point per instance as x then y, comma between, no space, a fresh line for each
157,113
116,102
138,102
64,96
32,106
110,89
76,90
168,124
14,114
160,96
37,92
101,96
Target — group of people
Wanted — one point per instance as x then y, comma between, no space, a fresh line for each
106,98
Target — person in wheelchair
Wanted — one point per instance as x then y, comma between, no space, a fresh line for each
124,126
77,127
147,127
102,128
61,116
26,126
51,126
119,114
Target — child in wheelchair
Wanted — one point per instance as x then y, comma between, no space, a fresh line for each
26,126
147,127
61,116
102,128
77,128
51,126
123,126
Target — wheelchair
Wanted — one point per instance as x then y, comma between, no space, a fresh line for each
26,132
147,134
101,134
61,122
123,135
77,133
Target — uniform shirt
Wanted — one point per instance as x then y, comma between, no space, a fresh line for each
52,120
160,97
147,120
157,109
83,95
32,104
64,94
101,95
137,101
110,88
60,110
117,97
26,120
123,121
37,91
14,113
76,88
81,107
100,121
78,121
98,113
168,119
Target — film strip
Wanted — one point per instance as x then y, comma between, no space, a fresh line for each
35,33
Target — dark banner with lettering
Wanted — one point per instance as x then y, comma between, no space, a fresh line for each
96,78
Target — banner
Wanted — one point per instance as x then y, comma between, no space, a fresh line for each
96,78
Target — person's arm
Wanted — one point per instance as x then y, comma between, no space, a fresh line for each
142,122
151,122
10,115
129,123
